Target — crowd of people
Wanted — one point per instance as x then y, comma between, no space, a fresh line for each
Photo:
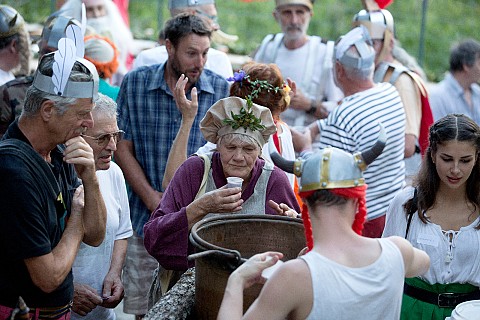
108,162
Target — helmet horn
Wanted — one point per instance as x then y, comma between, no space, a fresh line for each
278,160
371,154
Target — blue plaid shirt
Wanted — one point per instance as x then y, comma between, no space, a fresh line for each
150,119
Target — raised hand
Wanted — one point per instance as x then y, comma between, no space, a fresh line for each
187,108
79,153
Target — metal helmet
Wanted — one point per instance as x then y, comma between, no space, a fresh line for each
331,168
360,39
54,30
376,22
380,25
11,22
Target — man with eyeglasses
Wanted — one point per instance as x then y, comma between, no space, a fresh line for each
305,59
217,61
98,286
49,192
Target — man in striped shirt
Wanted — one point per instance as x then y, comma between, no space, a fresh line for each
354,125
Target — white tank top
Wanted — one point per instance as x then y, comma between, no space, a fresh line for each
373,292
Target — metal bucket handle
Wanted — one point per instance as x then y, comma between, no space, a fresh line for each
233,258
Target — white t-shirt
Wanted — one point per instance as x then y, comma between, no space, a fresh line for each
5,76
92,263
353,127
373,292
454,255
217,61
294,64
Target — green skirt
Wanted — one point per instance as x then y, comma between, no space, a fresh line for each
413,309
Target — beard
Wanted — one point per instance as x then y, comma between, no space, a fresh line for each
102,26
294,32
178,71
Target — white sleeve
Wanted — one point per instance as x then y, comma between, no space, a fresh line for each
207,148
396,219
125,224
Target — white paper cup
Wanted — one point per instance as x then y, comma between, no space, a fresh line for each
234,182
468,310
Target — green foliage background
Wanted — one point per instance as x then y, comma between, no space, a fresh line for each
447,21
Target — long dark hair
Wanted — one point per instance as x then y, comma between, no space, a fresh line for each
456,127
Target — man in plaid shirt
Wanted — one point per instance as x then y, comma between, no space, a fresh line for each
150,118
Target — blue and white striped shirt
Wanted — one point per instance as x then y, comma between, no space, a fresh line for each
353,127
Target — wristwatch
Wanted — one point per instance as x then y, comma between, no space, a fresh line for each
313,108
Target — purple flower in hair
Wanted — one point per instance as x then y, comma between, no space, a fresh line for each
237,76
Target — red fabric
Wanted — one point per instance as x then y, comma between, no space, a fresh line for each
122,6
307,224
276,140
374,228
426,122
358,193
383,3
296,190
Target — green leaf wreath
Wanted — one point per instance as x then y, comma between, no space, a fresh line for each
246,119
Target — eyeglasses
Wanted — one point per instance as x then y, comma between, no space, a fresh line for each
103,139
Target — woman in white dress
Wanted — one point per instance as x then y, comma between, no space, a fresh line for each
440,215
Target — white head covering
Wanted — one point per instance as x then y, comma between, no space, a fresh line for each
213,125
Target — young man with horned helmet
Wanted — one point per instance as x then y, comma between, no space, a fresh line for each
344,275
